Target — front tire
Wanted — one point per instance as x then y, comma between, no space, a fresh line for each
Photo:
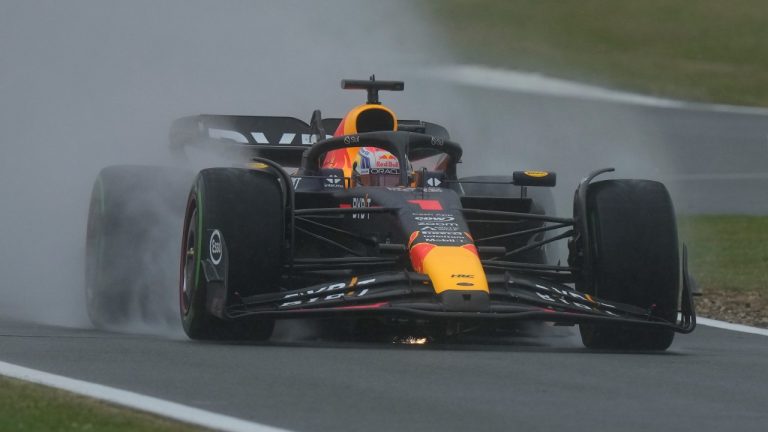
234,227
633,235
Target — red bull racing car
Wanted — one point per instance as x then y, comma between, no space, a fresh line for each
371,223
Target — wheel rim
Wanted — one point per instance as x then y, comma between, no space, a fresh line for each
189,254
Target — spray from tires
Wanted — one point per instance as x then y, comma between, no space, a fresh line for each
88,84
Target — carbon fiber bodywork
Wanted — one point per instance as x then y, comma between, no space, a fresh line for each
359,264
512,297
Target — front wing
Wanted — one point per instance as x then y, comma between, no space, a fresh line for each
513,297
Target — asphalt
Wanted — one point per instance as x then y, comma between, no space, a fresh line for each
711,380
541,380
713,162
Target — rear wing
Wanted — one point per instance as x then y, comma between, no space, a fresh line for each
282,139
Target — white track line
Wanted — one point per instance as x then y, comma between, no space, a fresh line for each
734,327
533,83
478,76
136,401
197,416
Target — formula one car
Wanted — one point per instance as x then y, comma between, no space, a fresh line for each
372,224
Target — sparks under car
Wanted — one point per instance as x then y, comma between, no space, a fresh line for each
365,218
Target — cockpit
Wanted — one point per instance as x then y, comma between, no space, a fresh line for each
368,165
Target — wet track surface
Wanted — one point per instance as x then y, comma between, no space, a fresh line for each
71,66
710,380
542,380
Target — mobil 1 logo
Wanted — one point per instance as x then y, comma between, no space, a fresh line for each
440,228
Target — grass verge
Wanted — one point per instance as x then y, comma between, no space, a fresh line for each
31,407
729,260
706,50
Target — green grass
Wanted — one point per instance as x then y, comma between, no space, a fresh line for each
29,407
727,253
703,50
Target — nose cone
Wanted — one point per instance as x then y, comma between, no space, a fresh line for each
454,268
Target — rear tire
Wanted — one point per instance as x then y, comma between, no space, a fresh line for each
132,227
242,211
634,242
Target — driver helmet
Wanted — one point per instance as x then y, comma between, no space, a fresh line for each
376,167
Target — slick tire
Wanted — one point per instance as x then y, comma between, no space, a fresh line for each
133,225
634,242
234,225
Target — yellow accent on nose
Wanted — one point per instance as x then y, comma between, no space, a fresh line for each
454,268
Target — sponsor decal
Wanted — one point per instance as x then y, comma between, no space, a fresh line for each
215,249
437,141
350,139
413,189
216,133
439,226
334,181
537,174
463,276
382,171
377,161
572,298
434,218
563,301
385,159
286,138
361,202
327,292
444,237
434,182
296,181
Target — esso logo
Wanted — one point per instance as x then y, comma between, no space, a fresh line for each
215,247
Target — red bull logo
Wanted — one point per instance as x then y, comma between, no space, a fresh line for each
373,160
384,159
